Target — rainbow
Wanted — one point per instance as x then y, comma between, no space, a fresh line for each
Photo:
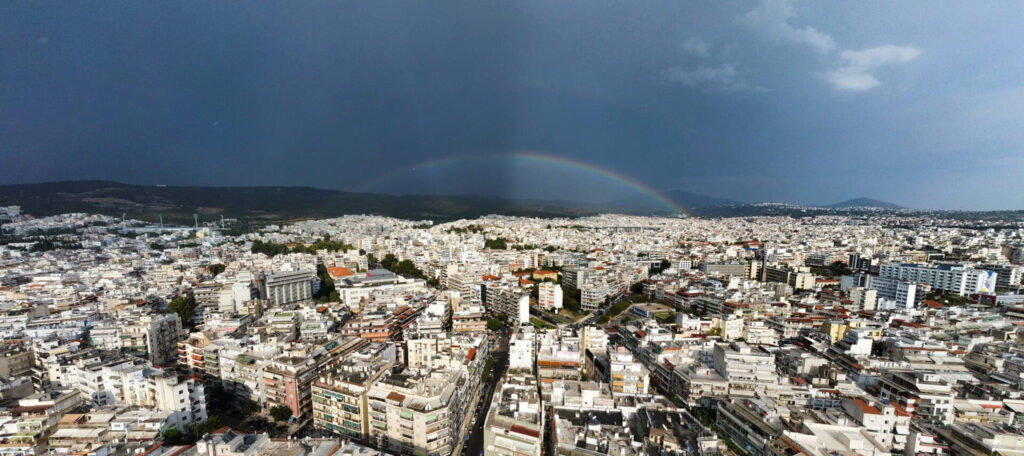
535,158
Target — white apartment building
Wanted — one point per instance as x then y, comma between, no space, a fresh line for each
924,394
953,279
286,287
1008,275
509,302
522,349
574,276
355,290
625,374
748,369
162,332
893,293
592,295
549,296
514,425
418,413
863,298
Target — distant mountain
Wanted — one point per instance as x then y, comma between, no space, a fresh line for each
680,198
865,202
255,204
260,205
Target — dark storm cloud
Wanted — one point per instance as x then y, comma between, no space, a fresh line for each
797,101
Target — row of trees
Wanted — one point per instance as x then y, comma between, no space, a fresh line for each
404,267
950,299
615,310
571,299
269,248
474,228
273,248
328,292
488,367
836,269
46,245
189,435
496,243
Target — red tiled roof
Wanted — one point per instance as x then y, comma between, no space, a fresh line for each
524,430
340,272
867,408
33,409
900,411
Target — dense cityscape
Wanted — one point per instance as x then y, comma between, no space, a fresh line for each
511,228
872,333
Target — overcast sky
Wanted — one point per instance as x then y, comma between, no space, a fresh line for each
921,104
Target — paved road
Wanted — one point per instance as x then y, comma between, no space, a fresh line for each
476,433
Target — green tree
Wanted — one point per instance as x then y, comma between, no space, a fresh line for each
173,436
184,306
488,367
268,248
496,244
249,407
637,288
404,267
327,288
207,426
838,268
216,269
572,304
618,308
389,261
280,412
218,396
156,246
407,267
665,264
493,324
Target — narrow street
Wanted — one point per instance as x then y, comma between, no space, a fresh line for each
474,445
